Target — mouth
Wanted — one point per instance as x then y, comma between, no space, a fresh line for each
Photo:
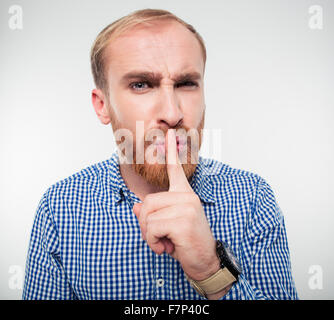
160,145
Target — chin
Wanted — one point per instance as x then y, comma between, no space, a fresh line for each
156,174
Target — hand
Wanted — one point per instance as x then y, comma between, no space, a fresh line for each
175,222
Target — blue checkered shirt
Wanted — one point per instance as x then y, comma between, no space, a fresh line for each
86,241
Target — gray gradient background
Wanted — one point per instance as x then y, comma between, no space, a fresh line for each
269,88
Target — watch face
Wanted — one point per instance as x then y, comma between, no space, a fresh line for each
233,260
229,259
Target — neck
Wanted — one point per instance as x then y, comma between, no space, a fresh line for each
137,184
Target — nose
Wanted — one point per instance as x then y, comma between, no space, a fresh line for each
170,114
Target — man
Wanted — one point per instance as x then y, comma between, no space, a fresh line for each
144,224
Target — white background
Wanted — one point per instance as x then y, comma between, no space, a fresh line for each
269,88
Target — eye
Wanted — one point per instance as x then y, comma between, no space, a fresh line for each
139,86
187,84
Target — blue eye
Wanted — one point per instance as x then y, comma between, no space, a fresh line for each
143,85
138,86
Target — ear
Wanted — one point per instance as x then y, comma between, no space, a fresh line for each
100,105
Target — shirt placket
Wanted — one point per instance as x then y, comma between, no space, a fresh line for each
160,277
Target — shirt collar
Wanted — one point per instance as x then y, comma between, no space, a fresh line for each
200,182
116,180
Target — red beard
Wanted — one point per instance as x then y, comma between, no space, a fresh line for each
156,173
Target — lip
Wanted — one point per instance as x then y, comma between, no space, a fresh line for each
162,149
179,140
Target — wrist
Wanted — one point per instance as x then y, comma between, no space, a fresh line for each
209,266
214,283
211,269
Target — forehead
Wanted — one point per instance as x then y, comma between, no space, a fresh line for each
165,46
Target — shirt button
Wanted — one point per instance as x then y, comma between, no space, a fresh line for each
160,283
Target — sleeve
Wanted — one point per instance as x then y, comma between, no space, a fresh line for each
45,278
265,254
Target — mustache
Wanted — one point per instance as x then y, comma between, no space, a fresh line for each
158,135
146,146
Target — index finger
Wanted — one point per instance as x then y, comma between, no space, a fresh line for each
177,179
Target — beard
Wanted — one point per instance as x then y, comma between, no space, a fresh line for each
153,168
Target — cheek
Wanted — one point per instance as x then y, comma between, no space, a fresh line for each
193,108
130,108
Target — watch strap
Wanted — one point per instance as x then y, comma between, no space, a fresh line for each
217,282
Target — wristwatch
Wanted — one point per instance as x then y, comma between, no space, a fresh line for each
227,274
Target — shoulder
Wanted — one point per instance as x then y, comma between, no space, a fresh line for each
233,182
78,185
220,171
85,175
237,185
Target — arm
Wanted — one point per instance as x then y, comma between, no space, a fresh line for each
265,253
174,222
45,277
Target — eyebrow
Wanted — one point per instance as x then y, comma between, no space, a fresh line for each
155,78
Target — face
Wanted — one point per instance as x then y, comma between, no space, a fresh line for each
155,77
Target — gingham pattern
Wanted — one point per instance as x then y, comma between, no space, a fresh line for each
86,241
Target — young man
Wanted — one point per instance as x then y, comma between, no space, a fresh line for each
144,224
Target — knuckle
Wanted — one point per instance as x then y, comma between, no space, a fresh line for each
190,210
149,219
148,200
186,228
148,233
192,197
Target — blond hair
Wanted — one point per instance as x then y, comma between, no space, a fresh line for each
119,26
